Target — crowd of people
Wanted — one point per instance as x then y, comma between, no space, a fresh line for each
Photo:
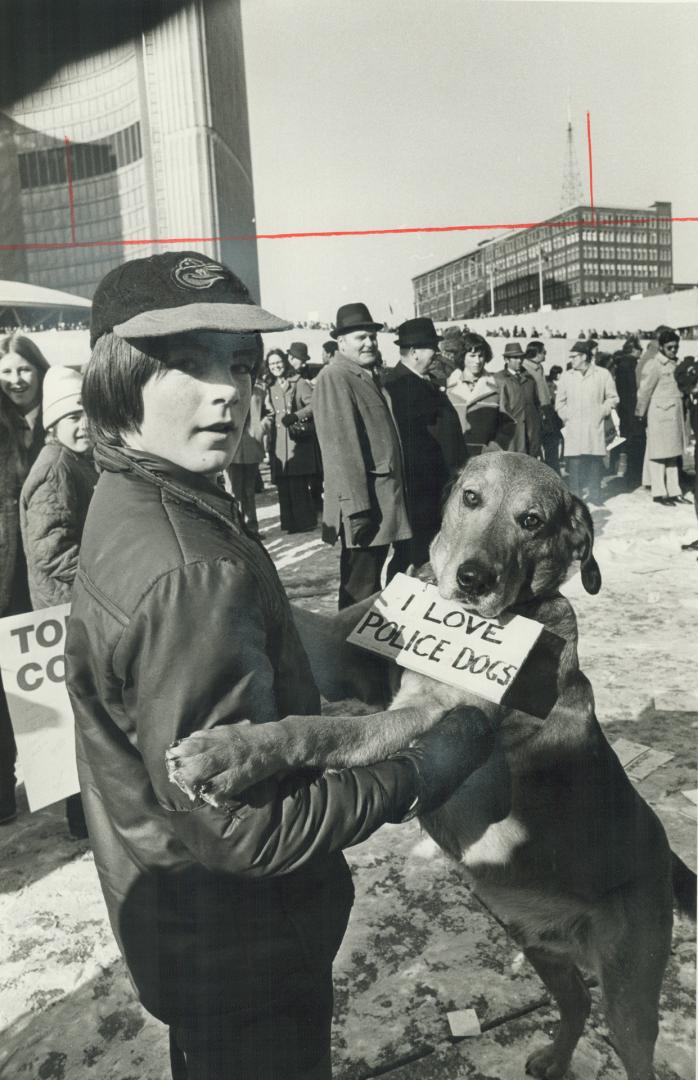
383,441
229,918
41,325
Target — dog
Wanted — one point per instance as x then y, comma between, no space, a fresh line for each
556,839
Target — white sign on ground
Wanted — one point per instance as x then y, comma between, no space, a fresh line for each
33,674
414,626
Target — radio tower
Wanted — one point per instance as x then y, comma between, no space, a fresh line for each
572,193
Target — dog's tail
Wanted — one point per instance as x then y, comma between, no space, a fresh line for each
684,882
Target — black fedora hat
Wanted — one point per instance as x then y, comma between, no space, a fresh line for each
351,317
299,349
417,333
513,348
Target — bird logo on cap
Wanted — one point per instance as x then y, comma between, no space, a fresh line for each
190,273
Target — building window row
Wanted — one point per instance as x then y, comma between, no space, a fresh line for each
43,168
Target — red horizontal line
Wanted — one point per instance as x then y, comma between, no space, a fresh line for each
338,232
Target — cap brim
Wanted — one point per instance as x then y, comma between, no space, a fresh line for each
351,329
230,318
432,343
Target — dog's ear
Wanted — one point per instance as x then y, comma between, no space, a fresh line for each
583,545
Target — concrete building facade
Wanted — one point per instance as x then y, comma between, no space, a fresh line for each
141,142
580,256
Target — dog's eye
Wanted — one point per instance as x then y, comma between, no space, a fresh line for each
471,498
531,521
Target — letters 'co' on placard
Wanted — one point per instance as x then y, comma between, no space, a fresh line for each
32,659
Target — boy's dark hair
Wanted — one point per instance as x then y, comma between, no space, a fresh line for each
112,389
533,349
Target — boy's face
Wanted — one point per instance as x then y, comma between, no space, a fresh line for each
195,412
71,431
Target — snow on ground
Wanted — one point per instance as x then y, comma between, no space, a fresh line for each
419,944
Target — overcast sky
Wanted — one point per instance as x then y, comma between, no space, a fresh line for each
374,114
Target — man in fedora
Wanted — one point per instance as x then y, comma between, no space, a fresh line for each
428,425
299,357
365,503
521,400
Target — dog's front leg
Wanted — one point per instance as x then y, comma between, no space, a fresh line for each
220,762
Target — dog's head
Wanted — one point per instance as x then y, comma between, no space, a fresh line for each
510,532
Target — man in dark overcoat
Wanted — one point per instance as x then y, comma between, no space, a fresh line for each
625,374
365,503
430,431
521,401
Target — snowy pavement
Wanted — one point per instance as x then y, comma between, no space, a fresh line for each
420,944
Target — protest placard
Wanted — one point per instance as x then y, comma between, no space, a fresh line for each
33,674
413,625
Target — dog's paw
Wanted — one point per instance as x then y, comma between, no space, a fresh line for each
219,763
546,1063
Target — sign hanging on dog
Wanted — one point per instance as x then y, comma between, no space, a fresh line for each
413,625
33,674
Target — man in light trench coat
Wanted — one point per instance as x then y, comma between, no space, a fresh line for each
586,394
365,503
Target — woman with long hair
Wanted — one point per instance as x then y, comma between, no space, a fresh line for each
22,370
292,450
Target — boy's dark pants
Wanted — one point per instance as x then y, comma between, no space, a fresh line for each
288,1044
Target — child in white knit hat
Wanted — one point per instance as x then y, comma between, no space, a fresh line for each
53,508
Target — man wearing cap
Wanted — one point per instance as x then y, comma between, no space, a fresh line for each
521,401
430,431
228,915
450,355
365,501
586,394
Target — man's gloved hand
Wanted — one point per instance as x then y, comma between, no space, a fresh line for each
362,527
446,756
640,422
288,418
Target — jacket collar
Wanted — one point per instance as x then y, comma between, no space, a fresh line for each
400,371
170,477
353,366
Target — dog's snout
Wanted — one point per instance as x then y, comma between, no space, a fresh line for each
474,578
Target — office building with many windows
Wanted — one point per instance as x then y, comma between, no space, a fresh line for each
581,256
142,141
